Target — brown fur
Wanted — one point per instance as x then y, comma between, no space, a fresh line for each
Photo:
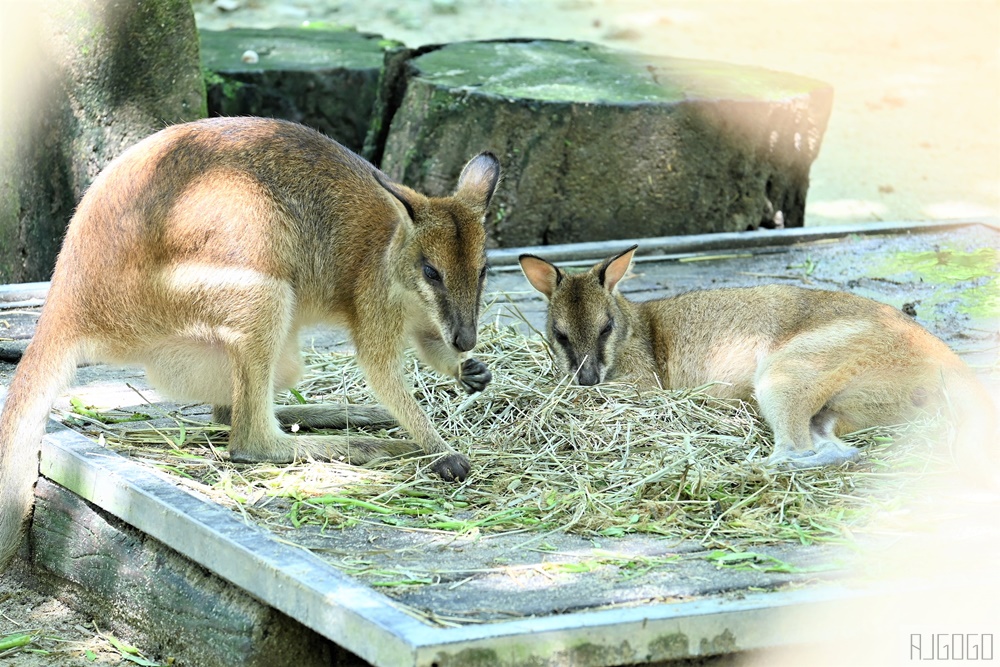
203,250
817,363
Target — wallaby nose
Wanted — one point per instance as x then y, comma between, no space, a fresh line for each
464,339
588,376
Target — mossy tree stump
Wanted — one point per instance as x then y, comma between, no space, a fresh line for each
599,144
324,78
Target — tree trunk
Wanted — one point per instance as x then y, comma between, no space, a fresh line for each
93,77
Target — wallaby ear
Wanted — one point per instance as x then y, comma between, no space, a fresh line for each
542,275
614,268
478,181
401,197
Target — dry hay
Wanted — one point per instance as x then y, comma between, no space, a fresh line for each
549,455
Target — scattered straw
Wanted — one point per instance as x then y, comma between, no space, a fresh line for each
551,456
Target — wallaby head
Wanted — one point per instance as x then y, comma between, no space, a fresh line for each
441,249
588,319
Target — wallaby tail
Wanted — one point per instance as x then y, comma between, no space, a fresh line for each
44,372
974,415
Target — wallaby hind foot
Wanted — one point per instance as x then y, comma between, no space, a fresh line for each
823,453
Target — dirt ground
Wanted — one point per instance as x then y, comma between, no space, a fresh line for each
913,135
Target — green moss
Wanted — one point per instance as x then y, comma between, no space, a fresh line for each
670,646
721,644
328,26
951,269
229,86
211,78
581,72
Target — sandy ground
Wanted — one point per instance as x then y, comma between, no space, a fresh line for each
915,131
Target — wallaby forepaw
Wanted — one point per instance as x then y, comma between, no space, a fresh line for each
475,375
452,467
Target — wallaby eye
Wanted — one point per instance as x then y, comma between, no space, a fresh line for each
431,273
560,337
606,331
482,274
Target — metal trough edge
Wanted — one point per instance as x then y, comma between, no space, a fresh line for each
693,243
290,579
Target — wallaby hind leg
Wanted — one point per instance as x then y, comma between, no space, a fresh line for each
792,391
222,414
255,355
256,436
826,450
783,410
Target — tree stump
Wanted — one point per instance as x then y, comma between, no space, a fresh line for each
600,144
326,79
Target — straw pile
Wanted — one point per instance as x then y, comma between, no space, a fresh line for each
547,456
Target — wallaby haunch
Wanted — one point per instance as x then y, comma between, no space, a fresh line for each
203,250
817,363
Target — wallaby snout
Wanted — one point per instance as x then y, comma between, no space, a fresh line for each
464,337
589,374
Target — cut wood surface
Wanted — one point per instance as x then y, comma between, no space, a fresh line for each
325,79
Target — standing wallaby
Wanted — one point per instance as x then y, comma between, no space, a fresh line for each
817,363
203,250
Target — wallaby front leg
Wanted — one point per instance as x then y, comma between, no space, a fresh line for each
384,373
471,373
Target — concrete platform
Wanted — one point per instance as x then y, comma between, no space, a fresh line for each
530,610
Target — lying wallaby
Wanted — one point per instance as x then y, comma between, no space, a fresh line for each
203,250
818,363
